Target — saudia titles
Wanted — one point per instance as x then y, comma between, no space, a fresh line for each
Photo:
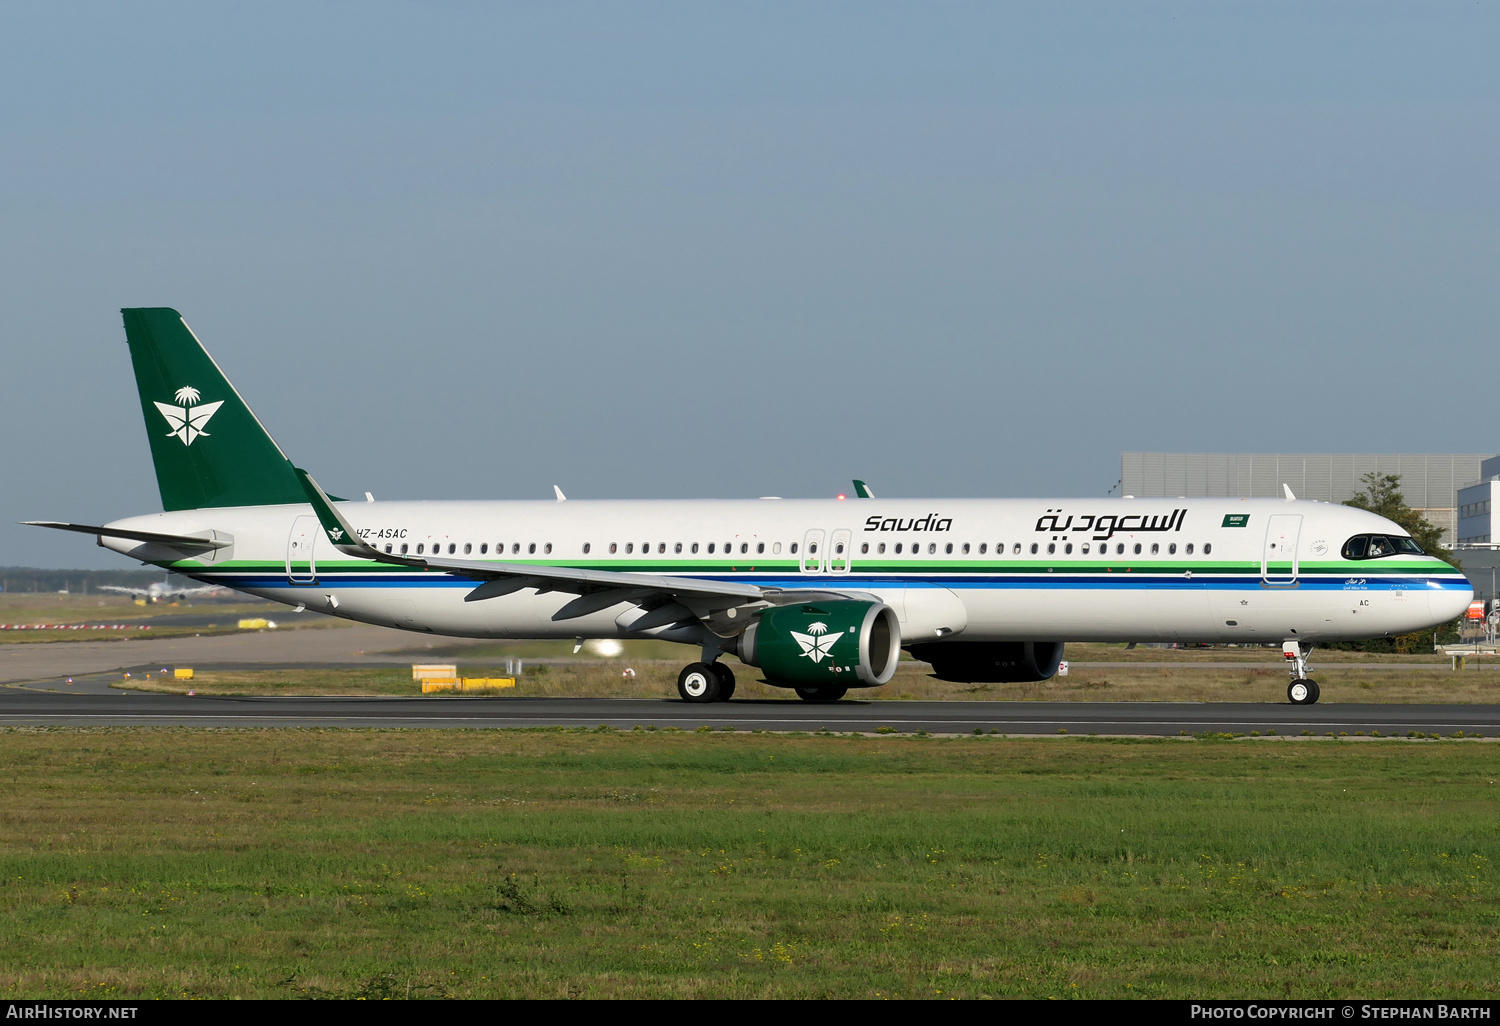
931,522
1105,527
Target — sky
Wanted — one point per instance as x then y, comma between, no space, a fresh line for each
660,250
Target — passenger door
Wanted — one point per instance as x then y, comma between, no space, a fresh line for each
1278,559
301,564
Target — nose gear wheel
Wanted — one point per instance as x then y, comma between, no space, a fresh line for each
1302,691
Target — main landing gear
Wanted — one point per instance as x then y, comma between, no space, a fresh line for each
1302,690
706,682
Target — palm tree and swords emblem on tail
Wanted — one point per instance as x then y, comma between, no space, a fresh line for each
817,642
188,419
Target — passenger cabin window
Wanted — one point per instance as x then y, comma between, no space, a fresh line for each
761,547
983,546
864,548
468,548
1373,546
966,548
629,547
452,548
1085,549
419,548
531,549
932,548
1033,548
949,549
403,548
1137,548
1155,548
898,548
1068,549
547,548
745,547
1172,549
695,546
794,548
1051,548
515,548
1189,549
1207,548
586,548
485,548
1016,551
388,547
880,548
677,547
614,547
710,548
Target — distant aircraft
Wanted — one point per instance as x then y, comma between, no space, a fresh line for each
819,595
159,592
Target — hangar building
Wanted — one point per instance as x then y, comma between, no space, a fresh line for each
1430,482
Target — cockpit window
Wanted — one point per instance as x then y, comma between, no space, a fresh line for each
1373,546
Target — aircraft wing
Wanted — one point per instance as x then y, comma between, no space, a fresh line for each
498,578
123,590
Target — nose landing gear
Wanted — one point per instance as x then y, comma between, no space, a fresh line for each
1302,690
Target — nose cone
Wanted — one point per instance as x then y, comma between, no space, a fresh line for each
1448,598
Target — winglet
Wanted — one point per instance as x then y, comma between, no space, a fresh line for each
340,534
862,490
560,496
1288,489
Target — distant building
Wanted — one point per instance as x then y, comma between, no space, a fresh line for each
1430,483
1478,547
1476,501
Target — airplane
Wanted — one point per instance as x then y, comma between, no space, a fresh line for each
158,592
821,596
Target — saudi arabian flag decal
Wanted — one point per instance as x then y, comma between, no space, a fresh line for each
188,420
1236,520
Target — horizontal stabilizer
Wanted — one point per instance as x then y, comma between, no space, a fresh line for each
177,541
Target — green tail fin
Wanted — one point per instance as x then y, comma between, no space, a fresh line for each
208,448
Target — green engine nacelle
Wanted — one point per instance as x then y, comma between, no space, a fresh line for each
843,643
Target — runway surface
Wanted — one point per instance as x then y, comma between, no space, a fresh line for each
102,706
335,644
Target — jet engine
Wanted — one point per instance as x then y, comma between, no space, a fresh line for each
843,643
991,662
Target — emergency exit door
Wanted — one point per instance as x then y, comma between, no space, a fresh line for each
812,552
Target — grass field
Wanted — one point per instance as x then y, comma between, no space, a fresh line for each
1187,681
28,609
141,862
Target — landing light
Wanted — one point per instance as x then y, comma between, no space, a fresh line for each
842,496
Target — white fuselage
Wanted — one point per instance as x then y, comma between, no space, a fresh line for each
1257,570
